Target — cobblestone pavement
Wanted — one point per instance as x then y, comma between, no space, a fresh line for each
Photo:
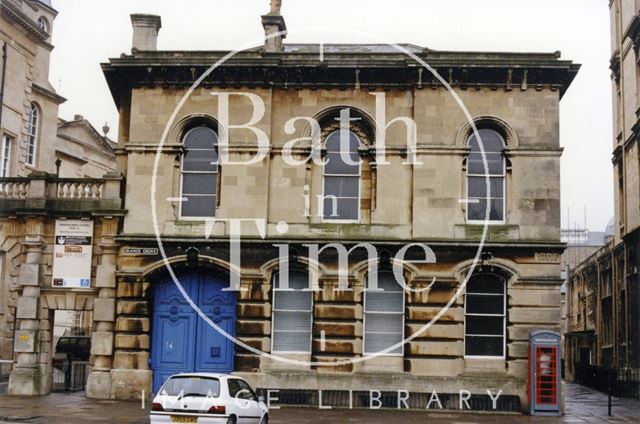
583,406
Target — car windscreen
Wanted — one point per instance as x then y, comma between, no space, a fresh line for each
184,386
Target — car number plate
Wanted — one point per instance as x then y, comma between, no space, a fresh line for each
181,419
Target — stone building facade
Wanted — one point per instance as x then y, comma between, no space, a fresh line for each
29,116
480,289
187,179
581,244
604,326
44,166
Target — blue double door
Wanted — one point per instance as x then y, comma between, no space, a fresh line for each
181,340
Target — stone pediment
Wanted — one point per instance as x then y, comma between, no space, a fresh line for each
82,132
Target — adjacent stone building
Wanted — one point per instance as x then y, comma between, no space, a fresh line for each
29,112
83,152
38,149
185,183
604,300
581,244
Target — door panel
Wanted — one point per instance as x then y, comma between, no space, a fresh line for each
182,340
176,332
214,352
174,328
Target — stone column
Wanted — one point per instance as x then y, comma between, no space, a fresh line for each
32,373
104,314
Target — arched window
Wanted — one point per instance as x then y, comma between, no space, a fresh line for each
292,314
341,178
32,135
485,316
384,315
199,174
43,24
486,184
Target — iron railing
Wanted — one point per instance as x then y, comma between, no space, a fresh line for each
70,375
620,382
5,371
384,399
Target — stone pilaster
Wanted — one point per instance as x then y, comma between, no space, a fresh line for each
131,374
104,313
31,375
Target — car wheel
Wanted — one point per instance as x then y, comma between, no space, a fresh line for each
231,420
264,420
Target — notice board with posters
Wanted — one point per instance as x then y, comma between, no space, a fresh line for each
72,254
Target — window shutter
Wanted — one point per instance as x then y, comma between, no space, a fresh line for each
384,316
292,314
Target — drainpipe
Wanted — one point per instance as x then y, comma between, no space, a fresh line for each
4,73
2,79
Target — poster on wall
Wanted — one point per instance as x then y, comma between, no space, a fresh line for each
72,254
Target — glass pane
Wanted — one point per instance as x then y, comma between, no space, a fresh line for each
292,300
476,325
339,208
497,209
383,323
200,160
334,142
386,281
477,187
342,186
200,138
374,342
484,346
298,280
477,209
199,183
337,163
291,321
234,387
485,304
201,386
292,342
246,392
491,141
383,301
199,206
496,185
485,283
495,164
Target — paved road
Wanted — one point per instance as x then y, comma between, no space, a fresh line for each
583,406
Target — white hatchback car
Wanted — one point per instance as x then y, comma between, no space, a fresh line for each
206,398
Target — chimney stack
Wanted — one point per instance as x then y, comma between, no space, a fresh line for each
273,23
145,32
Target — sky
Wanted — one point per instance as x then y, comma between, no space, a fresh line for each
88,32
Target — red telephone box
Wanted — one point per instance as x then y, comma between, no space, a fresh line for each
544,373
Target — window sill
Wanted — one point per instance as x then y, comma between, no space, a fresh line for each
193,220
483,222
339,221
